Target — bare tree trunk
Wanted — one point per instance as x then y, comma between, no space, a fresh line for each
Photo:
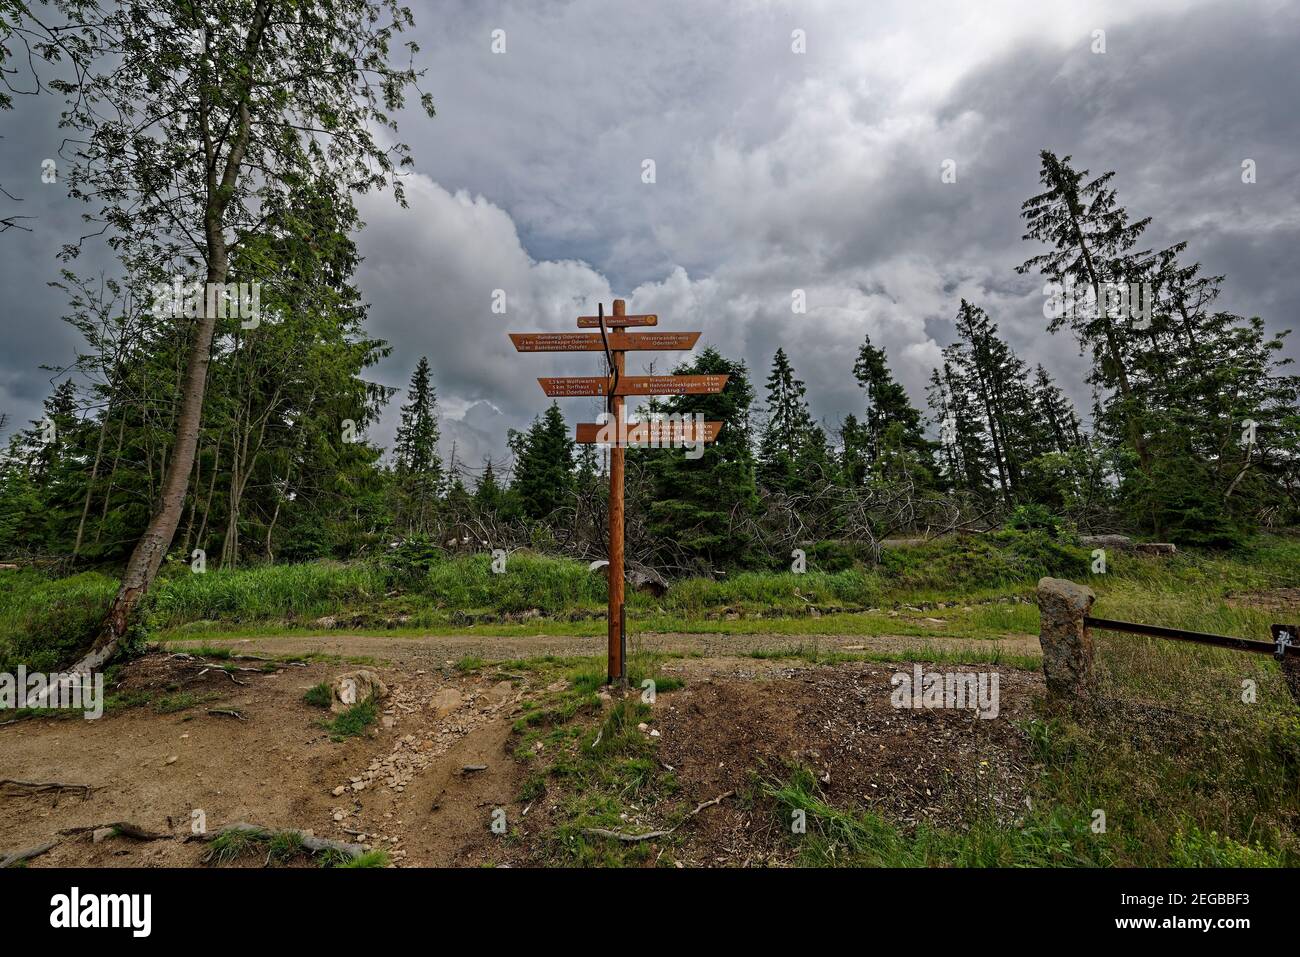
149,552
90,486
112,476
194,502
212,491
157,538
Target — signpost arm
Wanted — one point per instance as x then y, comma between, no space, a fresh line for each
617,667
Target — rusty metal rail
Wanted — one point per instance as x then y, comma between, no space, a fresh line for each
1285,641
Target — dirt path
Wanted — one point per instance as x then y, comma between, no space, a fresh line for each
423,782
171,772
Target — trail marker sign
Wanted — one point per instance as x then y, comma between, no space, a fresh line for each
616,431
634,385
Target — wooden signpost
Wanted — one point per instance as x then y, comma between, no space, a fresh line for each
635,385
595,342
617,433
652,433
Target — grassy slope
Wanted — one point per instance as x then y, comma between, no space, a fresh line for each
979,588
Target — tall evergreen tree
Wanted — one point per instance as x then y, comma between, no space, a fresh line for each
854,451
543,474
1184,394
787,431
489,496
893,426
1092,242
702,506
418,467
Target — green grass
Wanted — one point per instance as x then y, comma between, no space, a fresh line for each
309,590
949,582
231,845
376,858
815,655
319,695
180,701
593,758
353,722
283,847
1192,777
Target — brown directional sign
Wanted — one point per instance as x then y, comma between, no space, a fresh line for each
616,322
634,385
673,432
594,342
669,432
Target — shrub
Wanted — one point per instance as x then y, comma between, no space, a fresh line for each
46,624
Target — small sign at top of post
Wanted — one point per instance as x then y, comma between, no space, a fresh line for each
617,322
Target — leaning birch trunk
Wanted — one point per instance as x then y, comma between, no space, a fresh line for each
149,552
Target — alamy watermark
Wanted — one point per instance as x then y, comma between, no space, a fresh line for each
212,300
961,690
1115,300
72,691
660,430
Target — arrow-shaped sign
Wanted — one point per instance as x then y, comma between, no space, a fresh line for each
671,434
615,322
593,342
634,385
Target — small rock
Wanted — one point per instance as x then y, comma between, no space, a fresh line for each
354,687
338,791
445,701
101,834
500,692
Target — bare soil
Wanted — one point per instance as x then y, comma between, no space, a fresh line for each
912,766
424,781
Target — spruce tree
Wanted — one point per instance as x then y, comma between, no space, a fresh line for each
543,473
418,467
488,493
1092,242
786,434
702,505
893,426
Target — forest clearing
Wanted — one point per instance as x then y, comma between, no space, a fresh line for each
618,443
777,708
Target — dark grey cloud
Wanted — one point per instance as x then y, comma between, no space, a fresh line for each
778,172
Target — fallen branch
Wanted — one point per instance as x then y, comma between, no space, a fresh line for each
11,859
310,841
124,828
227,713
37,787
700,807
620,836
222,671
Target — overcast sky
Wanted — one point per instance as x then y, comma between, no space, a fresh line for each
774,171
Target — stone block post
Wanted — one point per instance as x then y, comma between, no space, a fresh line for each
1067,645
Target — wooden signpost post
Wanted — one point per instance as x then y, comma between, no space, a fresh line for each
617,433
